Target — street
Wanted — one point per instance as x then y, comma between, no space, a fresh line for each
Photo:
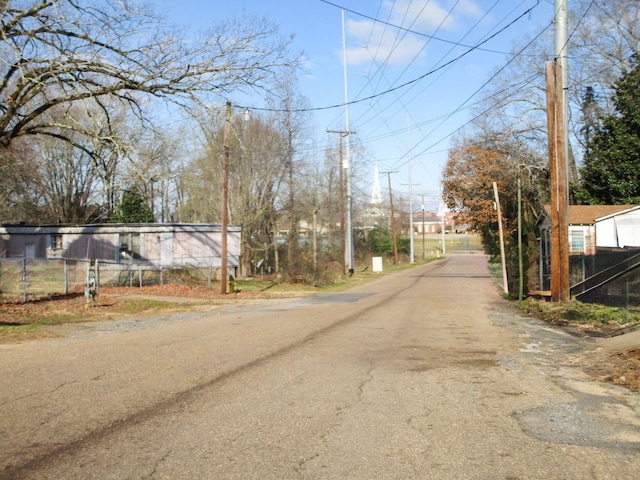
424,374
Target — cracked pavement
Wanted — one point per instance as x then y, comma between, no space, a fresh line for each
427,373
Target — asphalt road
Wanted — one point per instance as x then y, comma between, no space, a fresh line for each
425,374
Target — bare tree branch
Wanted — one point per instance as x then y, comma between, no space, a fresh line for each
57,52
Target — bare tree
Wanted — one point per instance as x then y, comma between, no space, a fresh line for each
256,175
153,169
19,196
58,52
603,37
256,178
68,181
109,59
292,120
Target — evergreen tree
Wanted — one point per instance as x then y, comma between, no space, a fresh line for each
611,172
132,209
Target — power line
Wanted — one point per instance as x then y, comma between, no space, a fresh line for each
410,82
408,30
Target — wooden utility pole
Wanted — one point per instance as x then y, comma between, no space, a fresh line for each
559,185
225,207
505,282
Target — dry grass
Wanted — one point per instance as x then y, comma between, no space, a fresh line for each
621,368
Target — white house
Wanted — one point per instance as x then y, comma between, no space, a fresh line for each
620,229
159,244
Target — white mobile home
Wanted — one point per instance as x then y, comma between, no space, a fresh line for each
166,245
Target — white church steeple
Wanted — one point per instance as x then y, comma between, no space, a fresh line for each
376,196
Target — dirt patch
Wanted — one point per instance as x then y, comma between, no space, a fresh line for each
41,317
621,368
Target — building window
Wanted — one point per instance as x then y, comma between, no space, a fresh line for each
130,246
576,239
56,241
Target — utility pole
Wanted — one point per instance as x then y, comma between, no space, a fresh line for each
225,194
393,221
505,283
443,226
341,134
411,245
561,39
224,207
559,186
520,267
424,227
412,256
557,74
347,159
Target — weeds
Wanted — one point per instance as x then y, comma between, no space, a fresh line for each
593,316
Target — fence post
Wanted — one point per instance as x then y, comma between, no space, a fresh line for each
140,275
161,276
24,280
66,277
210,275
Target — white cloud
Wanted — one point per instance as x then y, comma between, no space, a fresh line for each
370,41
419,15
380,44
469,8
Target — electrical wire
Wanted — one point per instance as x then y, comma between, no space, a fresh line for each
408,30
410,82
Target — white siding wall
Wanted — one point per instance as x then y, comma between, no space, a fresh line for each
620,230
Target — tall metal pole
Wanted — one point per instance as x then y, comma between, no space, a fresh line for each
443,228
424,227
342,215
224,206
347,159
561,39
343,250
411,245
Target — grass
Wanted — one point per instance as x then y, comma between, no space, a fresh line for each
362,274
590,316
24,321
587,316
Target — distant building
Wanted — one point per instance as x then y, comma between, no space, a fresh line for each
374,214
431,222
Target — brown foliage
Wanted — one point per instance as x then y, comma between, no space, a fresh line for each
468,179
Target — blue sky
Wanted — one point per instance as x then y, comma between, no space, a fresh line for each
397,125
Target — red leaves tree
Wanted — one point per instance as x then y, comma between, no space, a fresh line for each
467,185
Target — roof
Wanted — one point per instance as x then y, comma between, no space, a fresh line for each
630,209
117,228
587,214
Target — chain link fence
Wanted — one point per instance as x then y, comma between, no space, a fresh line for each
23,279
